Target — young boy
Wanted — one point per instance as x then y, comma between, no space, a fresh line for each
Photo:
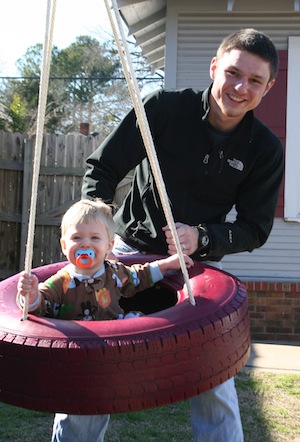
89,288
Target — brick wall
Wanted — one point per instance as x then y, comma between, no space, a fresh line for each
274,311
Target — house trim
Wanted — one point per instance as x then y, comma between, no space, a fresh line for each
292,171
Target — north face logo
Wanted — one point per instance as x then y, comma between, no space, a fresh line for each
236,164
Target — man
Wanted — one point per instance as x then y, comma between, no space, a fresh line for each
213,154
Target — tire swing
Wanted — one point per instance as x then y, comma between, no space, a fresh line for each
195,340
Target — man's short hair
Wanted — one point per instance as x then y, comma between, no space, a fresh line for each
255,42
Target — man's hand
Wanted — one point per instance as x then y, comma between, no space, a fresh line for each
188,238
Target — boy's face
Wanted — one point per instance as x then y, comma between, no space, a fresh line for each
92,235
240,80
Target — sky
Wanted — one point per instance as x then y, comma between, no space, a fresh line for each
23,24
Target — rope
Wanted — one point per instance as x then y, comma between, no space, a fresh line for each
51,6
146,133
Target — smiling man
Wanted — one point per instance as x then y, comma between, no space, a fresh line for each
214,154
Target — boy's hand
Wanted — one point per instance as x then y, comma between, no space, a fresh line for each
173,263
28,284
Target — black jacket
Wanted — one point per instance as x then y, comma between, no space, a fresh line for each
203,181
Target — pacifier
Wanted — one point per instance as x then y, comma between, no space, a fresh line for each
84,258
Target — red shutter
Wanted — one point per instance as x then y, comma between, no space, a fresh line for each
272,112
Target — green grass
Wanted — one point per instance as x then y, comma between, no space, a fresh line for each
269,404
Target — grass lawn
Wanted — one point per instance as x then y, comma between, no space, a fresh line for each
269,404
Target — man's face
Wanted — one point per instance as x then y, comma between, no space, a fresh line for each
240,81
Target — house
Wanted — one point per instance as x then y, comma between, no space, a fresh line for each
180,37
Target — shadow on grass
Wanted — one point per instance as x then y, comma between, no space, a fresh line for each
257,394
255,425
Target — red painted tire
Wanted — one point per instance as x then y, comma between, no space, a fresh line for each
83,367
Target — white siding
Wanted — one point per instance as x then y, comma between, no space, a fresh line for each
278,259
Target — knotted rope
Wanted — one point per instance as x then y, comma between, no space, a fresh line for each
43,91
145,131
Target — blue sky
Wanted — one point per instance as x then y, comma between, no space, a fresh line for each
23,25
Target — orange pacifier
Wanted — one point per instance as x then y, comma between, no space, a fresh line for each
84,258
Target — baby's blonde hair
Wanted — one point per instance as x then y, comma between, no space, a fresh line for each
87,210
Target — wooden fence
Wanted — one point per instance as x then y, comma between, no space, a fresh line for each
60,178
